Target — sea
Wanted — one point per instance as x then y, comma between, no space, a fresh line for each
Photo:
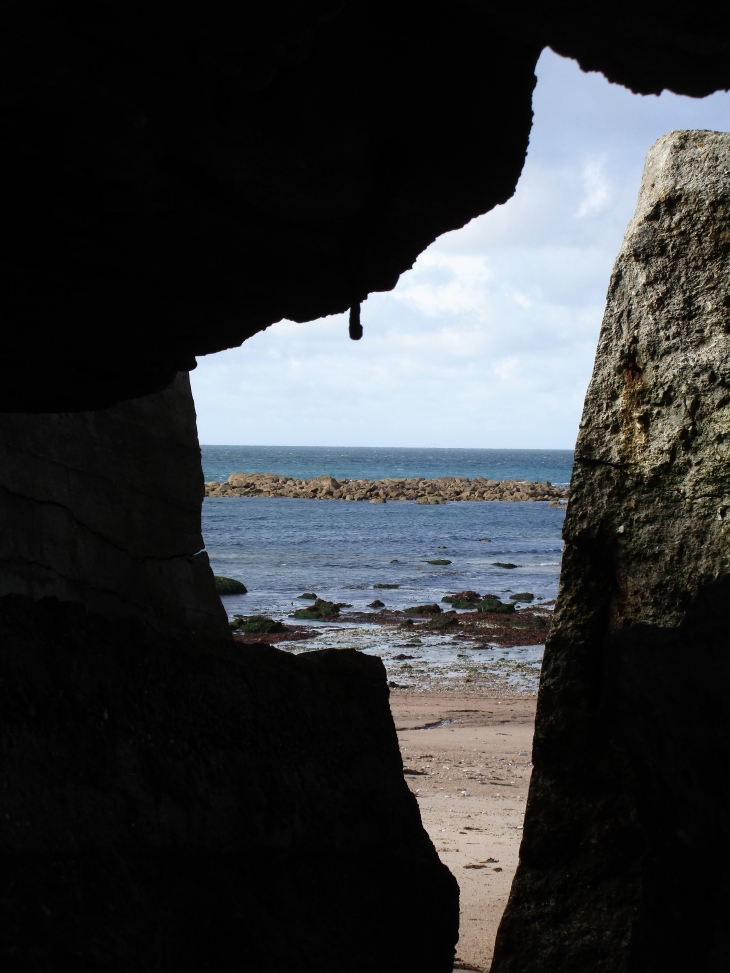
377,463
280,547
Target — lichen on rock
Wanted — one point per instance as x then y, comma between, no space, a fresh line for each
321,610
229,586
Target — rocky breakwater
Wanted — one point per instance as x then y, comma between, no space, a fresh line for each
626,847
420,489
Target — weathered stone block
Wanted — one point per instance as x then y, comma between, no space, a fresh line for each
626,848
103,508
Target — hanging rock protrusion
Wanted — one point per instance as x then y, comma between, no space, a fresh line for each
355,326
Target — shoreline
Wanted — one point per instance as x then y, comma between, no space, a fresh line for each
485,657
438,490
529,625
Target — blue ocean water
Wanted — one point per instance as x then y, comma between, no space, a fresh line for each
373,463
280,547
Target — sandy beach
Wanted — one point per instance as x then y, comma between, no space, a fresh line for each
467,758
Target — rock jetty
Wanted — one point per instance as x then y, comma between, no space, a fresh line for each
440,490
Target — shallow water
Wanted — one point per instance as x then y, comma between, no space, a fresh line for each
280,547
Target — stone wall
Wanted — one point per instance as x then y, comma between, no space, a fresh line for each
103,508
626,847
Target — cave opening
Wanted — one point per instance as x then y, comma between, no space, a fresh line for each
511,302
177,180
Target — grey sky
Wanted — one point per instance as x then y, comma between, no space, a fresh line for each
489,340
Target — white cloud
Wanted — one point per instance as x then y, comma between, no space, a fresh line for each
489,340
444,283
598,191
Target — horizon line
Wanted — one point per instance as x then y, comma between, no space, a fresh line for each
494,449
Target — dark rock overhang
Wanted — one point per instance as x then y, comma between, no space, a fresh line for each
180,176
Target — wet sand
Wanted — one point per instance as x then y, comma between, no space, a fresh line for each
467,758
